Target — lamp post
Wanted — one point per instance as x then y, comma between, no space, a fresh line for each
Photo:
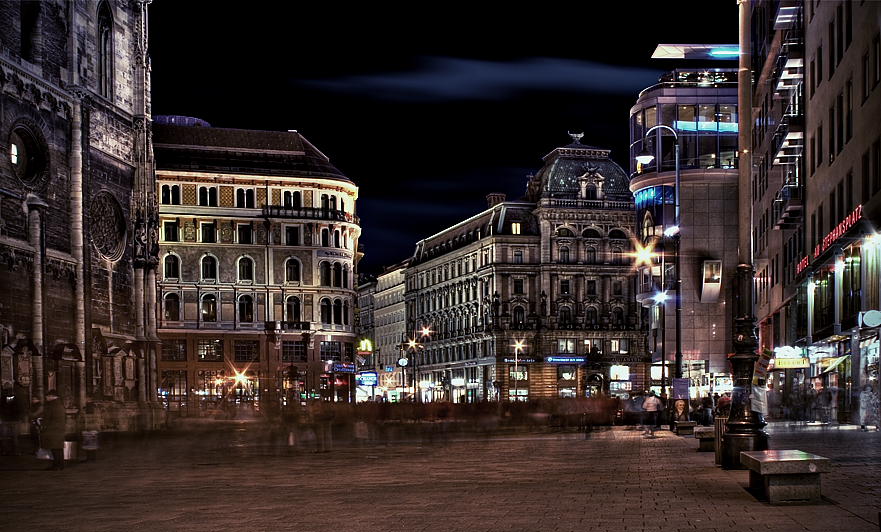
673,231
660,298
518,348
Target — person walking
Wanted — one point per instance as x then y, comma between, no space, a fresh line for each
53,429
868,408
652,407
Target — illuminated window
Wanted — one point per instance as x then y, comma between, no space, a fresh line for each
566,373
566,346
619,373
515,228
209,308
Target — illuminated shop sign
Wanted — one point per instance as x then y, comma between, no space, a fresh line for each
520,360
802,264
343,367
368,378
839,230
791,363
566,360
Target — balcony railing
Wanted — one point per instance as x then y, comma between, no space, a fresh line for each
574,203
309,213
287,325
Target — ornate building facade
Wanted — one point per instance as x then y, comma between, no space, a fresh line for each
536,298
77,217
258,248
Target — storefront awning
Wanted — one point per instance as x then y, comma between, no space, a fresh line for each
835,363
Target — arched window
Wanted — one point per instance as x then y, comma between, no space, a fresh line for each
240,197
105,50
325,311
172,307
209,308
333,203
342,205
591,233
246,309
175,194
590,192
296,199
325,238
617,316
592,316
292,270
337,274
336,239
564,254
166,194
286,199
563,231
519,315
648,227
338,312
565,315
345,276
209,268
246,269
292,309
172,267
249,198
325,273
590,255
617,234
203,196
345,312
212,197
325,204
617,255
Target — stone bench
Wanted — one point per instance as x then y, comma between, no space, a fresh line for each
685,428
786,476
706,436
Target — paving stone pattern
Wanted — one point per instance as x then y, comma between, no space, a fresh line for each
238,476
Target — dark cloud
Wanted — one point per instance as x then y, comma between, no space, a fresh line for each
448,78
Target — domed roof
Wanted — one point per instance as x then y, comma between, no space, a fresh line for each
567,166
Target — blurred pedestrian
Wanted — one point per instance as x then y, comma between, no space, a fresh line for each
53,429
868,408
652,407
322,415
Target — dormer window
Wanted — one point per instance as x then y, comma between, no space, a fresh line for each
515,228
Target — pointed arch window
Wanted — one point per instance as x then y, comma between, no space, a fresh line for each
209,308
246,269
325,311
172,307
292,309
172,267
209,268
246,309
292,270
105,50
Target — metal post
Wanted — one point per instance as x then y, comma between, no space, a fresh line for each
744,426
676,260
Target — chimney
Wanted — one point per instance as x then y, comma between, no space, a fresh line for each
494,198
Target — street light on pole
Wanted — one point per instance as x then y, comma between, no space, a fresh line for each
645,157
518,348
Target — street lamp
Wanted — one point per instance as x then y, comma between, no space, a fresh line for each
645,157
660,298
518,348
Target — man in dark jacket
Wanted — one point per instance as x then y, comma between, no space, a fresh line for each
53,429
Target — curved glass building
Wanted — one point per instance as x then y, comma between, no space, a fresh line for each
700,105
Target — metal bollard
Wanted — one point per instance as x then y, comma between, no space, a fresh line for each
720,429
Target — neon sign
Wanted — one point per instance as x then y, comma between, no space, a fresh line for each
839,230
802,264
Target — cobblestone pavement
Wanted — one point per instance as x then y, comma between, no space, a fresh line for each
234,477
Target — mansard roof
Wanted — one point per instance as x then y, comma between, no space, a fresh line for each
195,147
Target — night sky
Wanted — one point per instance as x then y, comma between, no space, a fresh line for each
426,107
